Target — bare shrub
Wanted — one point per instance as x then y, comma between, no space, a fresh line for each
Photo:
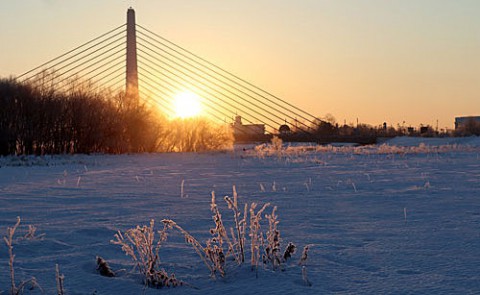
195,135
41,117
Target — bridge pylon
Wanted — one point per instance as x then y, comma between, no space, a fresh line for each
131,87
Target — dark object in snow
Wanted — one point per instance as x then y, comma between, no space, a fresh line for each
303,259
306,281
289,251
103,268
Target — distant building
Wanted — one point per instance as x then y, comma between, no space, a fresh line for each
462,121
424,129
284,130
240,129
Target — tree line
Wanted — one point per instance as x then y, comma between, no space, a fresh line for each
36,120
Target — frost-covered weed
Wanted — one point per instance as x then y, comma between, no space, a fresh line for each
309,153
219,232
277,143
32,233
238,235
30,283
289,251
303,259
272,247
139,243
256,236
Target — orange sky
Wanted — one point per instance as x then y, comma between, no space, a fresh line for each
395,61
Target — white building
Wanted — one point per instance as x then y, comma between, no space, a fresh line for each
247,129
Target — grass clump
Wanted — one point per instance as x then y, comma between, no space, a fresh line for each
139,243
222,246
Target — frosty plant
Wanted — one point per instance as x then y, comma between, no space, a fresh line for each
238,235
139,243
256,236
303,259
272,249
277,143
214,249
213,264
272,253
303,262
14,290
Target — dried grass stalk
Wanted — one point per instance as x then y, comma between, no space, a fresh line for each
305,277
289,251
9,242
219,230
238,236
272,249
32,282
256,235
303,259
59,279
31,234
189,239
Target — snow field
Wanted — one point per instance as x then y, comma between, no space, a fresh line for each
377,222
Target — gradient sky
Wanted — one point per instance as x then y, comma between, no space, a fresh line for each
412,61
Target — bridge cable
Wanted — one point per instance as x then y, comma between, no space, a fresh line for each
205,91
76,48
222,87
185,85
172,93
86,56
231,74
228,84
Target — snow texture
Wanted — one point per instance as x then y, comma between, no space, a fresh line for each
397,218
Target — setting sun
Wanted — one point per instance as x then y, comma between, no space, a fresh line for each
187,104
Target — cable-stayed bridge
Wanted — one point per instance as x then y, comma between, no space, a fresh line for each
154,70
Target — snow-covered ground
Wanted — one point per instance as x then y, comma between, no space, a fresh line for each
401,218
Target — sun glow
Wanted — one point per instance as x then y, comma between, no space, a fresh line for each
186,105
